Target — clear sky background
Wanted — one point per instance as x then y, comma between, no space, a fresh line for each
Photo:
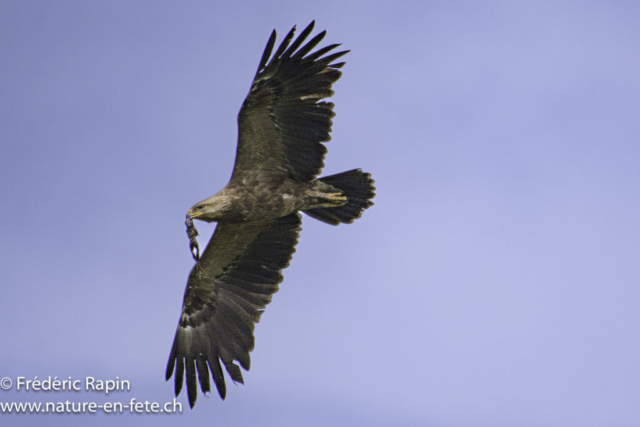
496,281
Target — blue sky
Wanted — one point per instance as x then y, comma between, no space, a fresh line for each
494,283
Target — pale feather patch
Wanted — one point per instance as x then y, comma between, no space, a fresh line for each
312,96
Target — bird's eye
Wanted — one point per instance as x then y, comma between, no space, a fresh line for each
199,207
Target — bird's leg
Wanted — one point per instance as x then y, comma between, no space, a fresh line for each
320,200
336,199
193,243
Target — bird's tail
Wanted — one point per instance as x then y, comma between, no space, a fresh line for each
357,186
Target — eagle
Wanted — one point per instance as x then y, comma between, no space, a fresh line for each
282,127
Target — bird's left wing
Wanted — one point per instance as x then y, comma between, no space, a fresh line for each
283,124
226,292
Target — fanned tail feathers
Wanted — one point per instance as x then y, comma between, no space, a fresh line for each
359,189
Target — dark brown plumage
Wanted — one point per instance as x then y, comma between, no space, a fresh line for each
282,126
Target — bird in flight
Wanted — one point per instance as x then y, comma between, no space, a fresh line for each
282,127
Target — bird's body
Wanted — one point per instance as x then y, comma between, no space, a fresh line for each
265,195
282,126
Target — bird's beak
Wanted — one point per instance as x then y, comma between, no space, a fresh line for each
192,215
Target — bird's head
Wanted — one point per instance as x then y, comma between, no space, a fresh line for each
212,209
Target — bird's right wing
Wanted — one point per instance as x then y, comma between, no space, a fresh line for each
226,293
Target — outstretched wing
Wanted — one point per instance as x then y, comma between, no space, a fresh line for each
282,123
226,293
